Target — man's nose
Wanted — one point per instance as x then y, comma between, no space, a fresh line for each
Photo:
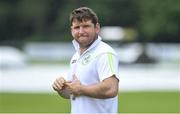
81,30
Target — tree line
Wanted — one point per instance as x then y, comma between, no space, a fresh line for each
48,20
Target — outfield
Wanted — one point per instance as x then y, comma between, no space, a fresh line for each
29,89
129,102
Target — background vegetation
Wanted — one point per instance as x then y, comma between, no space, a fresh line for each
47,20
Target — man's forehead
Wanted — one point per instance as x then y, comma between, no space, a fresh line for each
76,21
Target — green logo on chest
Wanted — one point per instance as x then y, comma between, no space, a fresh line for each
86,59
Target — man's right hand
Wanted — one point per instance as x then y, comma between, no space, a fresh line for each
58,84
61,87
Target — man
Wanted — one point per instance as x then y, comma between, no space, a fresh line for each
92,84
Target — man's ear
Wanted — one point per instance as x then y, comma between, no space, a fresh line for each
71,28
71,31
97,28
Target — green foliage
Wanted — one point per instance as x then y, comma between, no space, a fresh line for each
48,20
129,102
160,19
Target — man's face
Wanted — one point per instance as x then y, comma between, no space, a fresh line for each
84,32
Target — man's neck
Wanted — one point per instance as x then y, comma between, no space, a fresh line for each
84,48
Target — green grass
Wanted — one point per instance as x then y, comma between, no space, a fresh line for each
28,102
149,102
129,102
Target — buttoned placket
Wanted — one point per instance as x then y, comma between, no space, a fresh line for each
78,60
75,68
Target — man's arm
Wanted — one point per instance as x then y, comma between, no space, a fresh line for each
108,88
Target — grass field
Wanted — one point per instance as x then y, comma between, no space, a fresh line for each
129,102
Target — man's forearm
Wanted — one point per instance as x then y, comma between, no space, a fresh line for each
106,89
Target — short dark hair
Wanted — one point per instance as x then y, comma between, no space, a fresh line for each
83,13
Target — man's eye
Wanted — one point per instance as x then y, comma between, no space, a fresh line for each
86,26
76,27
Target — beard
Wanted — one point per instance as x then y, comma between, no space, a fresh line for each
85,41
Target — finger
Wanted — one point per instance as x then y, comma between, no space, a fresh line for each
60,82
57,85
54,87
61,79
68,84
68,81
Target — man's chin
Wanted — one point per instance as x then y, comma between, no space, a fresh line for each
82,39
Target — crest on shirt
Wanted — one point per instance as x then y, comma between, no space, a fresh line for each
86,59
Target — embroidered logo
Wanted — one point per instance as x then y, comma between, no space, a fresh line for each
86,59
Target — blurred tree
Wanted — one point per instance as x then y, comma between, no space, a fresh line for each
159,20
48,20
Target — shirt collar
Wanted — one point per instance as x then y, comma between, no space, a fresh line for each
76,44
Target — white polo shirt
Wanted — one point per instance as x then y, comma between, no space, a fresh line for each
97,63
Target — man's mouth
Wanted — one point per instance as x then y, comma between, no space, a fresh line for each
82,37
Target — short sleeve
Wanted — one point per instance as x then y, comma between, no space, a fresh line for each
107,65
